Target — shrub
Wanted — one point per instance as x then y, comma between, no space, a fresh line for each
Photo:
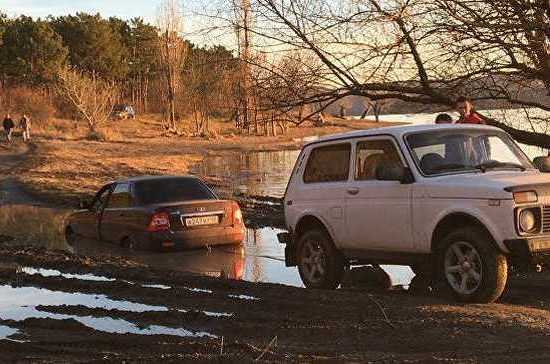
96,136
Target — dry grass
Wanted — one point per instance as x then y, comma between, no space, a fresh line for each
31,225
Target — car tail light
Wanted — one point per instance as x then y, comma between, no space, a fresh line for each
160,221
237,214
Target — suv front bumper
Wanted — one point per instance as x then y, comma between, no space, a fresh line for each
529,249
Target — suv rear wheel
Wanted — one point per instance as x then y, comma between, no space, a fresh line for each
320,264
471,266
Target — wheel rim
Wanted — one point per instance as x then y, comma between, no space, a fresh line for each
463,267
313,261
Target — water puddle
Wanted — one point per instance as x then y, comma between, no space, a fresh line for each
94,278
6,332
19,304
210,313
243,297
156,286
258,173
55,273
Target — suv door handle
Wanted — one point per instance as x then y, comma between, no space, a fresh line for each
353,191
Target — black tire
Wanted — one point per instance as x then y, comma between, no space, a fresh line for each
481,274
70,236
128,243
320,264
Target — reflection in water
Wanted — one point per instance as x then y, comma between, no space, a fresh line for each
257,173
6,332
15,304
55,273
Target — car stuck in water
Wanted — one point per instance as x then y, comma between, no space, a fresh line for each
157,213
459,203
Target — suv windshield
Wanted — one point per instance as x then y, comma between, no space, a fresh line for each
165,190
459,151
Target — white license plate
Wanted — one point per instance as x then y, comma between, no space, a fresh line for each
201,220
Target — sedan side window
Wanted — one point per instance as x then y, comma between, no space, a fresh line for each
101,199
373,156
121,197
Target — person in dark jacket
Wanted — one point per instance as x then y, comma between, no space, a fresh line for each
444,119
8,125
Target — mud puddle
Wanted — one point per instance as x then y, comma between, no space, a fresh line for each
23,303
260,257
6,332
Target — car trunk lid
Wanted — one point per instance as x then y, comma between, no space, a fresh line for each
199,214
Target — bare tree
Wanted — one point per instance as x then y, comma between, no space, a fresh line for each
172,52
419,51
91,96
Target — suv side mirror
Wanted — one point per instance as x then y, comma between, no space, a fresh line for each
84,205
542,163
394,172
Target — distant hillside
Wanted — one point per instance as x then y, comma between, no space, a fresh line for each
355,105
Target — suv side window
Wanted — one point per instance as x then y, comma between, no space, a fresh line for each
121,197
328,164
374,155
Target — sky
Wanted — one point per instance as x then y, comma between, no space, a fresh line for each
125,9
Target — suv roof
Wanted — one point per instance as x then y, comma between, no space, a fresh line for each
400,130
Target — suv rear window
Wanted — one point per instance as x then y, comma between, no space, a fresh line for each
328,164
172,190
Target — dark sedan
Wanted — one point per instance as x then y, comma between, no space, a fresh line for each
158,213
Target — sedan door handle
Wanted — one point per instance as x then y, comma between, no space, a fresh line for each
353,191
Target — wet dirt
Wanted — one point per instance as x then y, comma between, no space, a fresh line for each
125,317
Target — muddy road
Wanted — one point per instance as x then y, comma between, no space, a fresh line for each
58,307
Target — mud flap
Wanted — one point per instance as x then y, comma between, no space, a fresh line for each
290,255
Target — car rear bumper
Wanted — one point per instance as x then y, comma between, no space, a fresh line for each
529,249
196,238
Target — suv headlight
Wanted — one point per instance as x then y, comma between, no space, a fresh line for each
529,220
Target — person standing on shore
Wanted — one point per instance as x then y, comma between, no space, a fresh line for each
8,125
468,114
25,125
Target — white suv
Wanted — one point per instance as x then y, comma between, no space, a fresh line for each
461,201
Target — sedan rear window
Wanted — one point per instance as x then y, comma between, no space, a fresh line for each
172,190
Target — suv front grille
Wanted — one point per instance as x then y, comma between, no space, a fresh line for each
546,219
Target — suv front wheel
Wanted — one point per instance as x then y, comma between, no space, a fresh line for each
471,266
320,264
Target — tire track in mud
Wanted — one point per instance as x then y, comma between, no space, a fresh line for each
11,157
